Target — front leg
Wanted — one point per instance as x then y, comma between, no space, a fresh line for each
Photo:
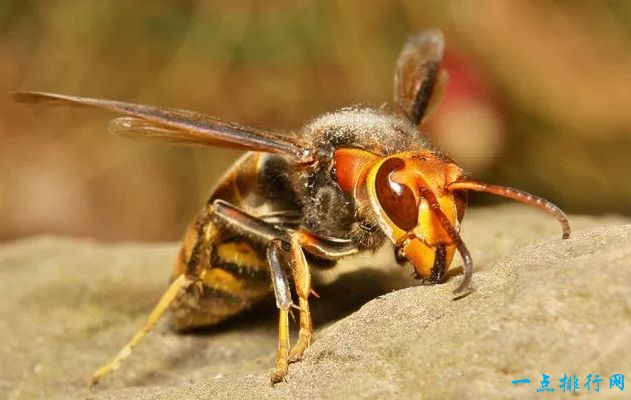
327,248
302,282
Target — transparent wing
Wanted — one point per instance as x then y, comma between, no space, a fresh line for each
178,126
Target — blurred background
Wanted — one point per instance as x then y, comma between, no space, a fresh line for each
539,97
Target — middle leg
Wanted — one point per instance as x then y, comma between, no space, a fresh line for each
285,253
277,263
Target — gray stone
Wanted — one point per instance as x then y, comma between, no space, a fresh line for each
540,305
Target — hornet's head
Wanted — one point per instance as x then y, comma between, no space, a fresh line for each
419,198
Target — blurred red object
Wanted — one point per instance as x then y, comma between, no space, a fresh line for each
468,123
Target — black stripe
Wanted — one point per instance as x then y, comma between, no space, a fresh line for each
230,299
248,274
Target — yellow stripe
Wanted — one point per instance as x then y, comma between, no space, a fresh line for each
217,278
240,253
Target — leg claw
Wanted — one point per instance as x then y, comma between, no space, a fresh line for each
296,352
278,375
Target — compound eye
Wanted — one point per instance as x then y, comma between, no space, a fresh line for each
396,199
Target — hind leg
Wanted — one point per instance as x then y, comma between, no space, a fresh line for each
189,274
174,290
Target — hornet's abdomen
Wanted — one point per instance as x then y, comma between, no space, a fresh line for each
233,271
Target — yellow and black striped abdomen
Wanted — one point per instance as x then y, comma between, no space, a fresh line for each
233,273
237,279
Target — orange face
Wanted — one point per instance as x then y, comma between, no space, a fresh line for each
402,189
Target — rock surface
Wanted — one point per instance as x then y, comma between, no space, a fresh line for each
540,305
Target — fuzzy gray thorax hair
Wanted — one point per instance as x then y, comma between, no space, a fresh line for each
327,209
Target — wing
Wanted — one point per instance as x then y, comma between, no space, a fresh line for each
418,79
178,126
